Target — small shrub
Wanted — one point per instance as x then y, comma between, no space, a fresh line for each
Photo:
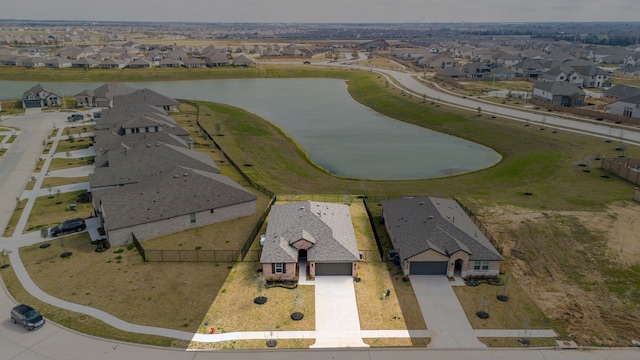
118,251
119,257
130,247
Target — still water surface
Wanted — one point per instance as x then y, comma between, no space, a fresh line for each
339,134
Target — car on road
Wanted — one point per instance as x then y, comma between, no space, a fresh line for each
75,117
73,225
27,317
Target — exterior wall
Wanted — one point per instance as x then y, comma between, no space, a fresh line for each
302,245
541,94
618,107
290,272
494,269
636,195
429,255
179,223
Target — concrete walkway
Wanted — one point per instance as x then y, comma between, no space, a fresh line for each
337,320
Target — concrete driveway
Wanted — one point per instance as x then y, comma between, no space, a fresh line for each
443,313
337,320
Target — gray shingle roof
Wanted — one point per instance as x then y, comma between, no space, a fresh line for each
622,91
129,166
328,226
175,191
144,96
559,88
426,223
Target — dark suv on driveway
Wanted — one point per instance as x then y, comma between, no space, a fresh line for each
26,316
68,226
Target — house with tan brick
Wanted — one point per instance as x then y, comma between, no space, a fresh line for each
315,234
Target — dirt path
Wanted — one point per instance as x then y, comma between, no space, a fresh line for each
581,268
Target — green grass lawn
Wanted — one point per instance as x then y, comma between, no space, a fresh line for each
60,163
72,145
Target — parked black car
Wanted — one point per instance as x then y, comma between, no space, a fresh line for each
75,117
27,317
68,226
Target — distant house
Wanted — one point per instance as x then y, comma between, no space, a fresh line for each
58,63
434,236
477,70
629,107
140,64
315,233
193,63
149,97
41,96
217,59
168,63
102,96
113,63
619,92
85,63
559,93
242,60
594,77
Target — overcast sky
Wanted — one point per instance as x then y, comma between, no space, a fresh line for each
341,11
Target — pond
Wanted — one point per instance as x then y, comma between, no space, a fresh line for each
338,133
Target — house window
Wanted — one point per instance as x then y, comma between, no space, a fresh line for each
212,211
481,265
193,217
628,111
155,129
278,268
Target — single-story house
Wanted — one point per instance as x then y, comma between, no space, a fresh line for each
41,96
149,97
620,92
102,96
434,236
315,233
177,199
629,107
559,93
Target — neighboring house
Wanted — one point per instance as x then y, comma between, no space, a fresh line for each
140,64
193,63
113,63
434,236
85,63
594,77
149,97
620,92
242,60
58,63
217,59
41,96
477,70
176,199
315,233
168,63
102,96
629,107
451,73
559,93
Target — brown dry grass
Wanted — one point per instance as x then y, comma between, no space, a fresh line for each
15,217
171,295
399,311
77,144
520,312
46,213
513,342
61,163
253,345
76,321
234,310
397,342
58,181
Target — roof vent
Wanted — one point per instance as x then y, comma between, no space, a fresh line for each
185,174
175,176
430,217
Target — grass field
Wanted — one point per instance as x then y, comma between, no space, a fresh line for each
47,212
